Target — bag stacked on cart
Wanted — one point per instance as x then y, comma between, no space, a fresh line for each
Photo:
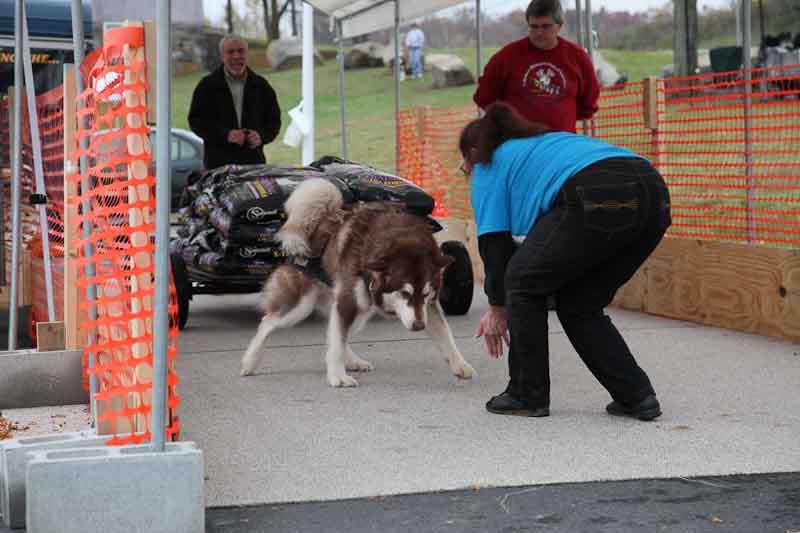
230,215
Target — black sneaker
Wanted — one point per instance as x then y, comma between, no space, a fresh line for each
506,404
647,409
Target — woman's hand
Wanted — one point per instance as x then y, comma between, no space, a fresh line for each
494,330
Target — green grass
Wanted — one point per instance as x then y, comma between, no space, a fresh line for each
638,65
369,105
369,102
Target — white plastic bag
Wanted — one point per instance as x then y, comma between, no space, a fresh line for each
298,128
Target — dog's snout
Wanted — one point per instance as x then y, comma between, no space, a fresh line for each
418,325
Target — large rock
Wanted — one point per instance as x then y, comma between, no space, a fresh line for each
364,55
288,53
449,71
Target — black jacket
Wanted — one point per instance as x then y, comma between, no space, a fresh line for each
212,116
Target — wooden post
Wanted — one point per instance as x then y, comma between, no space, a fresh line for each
75,338
150,56
138,144
652,107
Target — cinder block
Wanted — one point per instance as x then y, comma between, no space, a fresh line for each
14,460
40,379
116,490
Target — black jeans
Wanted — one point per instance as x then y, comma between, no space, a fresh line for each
605,222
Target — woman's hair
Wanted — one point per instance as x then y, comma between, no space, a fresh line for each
500,123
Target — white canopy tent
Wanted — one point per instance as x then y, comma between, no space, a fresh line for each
358,17
365,16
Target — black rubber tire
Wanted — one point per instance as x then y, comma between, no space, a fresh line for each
183,289
456,294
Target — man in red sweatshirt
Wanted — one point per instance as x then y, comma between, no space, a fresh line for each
543,76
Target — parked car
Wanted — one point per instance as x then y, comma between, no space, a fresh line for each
186,154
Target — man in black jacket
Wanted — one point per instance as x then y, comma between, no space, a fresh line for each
234,110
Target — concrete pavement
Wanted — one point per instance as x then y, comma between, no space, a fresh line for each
730,407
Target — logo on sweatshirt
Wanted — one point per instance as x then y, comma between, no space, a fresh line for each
544,79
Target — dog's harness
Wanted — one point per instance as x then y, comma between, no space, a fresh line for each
311,267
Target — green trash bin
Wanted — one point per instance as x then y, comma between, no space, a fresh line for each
725,58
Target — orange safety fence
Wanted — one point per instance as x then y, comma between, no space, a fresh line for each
121,197
49,107
429,156
728,149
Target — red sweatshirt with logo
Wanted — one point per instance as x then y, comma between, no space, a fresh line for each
557,87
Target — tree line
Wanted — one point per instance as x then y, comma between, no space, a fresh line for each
651,30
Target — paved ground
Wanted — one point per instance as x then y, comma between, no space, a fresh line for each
730,407
412,448
737,504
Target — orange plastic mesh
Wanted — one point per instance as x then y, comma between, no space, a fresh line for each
121,197
429,156
49,107
720,188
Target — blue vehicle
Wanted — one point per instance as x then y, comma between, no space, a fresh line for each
50,37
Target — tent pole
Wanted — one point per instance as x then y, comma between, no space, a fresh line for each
579,23
38,165
396,85
342,113
88,249
478,39
747,65
158,414
16,165
308,82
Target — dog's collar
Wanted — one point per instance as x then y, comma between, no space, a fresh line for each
310,266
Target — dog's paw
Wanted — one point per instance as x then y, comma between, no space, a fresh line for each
341,381
463,371
356,364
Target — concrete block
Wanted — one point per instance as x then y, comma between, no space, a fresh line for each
14,461
116,490
38,379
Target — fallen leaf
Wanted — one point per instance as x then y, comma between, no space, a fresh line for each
5,429
716,519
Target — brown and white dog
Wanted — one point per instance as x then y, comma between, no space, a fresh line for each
378,260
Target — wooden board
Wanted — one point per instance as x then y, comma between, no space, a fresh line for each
747,288
150,50
49,336
73,316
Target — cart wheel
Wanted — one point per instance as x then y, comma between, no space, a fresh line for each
456,294
183,288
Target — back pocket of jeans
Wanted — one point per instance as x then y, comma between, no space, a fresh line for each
611,209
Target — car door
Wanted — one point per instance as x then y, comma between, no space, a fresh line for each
186,158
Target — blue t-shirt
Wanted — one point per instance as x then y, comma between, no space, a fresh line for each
521,182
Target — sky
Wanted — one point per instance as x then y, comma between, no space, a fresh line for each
214,9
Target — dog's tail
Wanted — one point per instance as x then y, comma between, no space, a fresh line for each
312,202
